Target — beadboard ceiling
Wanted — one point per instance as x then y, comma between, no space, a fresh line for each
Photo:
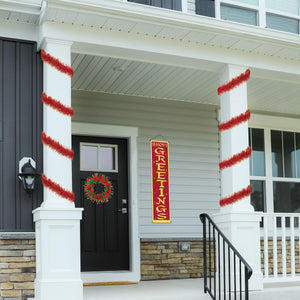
267,91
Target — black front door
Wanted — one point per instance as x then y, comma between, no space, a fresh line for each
104,226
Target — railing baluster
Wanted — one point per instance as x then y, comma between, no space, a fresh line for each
299,238
229,272
234,274
209,254
275,271
283,246
214,242
240,270
266,246
292,244
225,272
219,266
224,268
246,284
204,255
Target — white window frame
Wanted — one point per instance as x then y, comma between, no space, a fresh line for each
268,123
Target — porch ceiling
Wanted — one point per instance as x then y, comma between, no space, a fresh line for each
267,91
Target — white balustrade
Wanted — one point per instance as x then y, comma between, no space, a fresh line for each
280,237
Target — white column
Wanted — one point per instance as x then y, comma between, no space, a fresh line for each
238,221
57,221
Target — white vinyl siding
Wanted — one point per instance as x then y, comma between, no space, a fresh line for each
192,132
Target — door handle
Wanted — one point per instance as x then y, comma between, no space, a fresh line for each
123,210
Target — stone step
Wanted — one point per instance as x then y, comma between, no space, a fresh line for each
176,289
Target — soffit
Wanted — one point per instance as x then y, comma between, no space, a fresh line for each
273,92
162,23
155,22
26,11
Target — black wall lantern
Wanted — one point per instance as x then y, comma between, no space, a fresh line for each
28,174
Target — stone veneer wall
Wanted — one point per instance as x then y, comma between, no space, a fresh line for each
165,260
279,256
17,266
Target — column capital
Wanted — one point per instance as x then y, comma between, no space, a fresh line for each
43,41
230,71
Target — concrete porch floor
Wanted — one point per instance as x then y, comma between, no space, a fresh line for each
181,289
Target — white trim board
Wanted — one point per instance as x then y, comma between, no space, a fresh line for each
131,134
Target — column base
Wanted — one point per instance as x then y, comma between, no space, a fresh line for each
58,290
58,254
243,231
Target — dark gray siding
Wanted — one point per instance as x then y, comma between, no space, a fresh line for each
21,79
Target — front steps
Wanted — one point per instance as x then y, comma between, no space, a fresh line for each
176,289
181,289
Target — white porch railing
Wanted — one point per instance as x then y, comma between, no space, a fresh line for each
280,243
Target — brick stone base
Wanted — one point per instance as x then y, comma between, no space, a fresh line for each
165,260
17,268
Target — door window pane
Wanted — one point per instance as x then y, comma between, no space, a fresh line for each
257,159
282,23
258,195
89,157
286,197
107,158
276,142
239,15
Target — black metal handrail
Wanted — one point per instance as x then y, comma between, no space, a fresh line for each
223,277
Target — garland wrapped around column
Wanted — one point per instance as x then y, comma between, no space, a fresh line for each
245,154
47,140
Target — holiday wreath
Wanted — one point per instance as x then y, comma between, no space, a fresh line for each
89,188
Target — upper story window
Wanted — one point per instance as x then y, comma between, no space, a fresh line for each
240,15
275,170
169,4
274,14
282,23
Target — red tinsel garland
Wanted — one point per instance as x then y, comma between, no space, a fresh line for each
56,188
56,146
55,63
235,159
235,121
48,141
236,196
234,82
47,100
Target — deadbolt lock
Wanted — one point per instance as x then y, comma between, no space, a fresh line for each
123,210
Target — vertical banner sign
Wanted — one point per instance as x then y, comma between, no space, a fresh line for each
160,182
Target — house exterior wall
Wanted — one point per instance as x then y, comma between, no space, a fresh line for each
191,130
17,266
